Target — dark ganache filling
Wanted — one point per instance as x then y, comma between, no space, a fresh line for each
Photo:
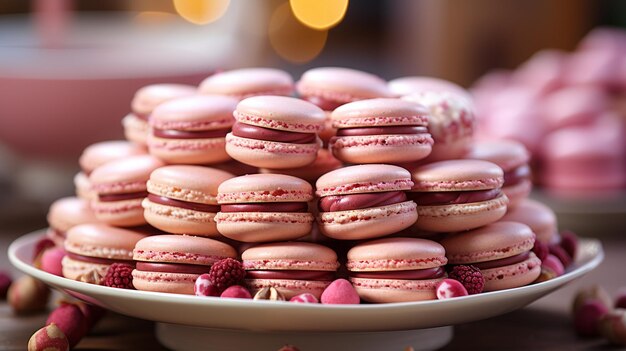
453,197
517,175
122,196
503,261
359,201
391,130
266,207
172,268
97,260
249,131
290,274
416,274
162,200
184,134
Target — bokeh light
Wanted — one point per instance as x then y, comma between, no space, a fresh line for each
319,14
292,40
201,11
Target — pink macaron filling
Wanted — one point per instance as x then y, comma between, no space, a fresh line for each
249,131
266,207
291,274
122,196
516,175
162,200
390,130
172,268
503,261
184,134
415,274
359,201
453,197
324,104
97,260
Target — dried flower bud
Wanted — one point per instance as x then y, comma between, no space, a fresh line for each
269,293
613,326
91,277
594,292
28,295
48,338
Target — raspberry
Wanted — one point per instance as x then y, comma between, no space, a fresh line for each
470,276
569,243
541,250
119,275
226,272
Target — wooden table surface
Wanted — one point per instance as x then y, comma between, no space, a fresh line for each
543,325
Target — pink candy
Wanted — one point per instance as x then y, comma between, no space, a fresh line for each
236,292
51,261
449,288
304,298
203,286
553,264
340,292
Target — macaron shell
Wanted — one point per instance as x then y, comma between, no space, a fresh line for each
512,276
381,148
73,269
367,223
99,240
395,290
289,287
195,113
414,84
246,82
182,249
100,153
341,84
539,217
116,176
83,186
189,151
264,188
125,213
449,150
173,283
188,183
458,175
518,192
179,220
150,96
68,212
508,154
271,154
379,112
395,254
324,163
263,226
454,218
282,113
363,179
135,129
492,242
294,255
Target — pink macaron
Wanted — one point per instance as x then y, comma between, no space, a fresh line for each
458,195
381,131
502,252
135,124
95,155
275,132
292,268
172,263
415,84
264,207
247,82
66,213
120,187
539,217
324,163
183,199
92,248
396,269
512,157
364,201
451,123
192,130
331,87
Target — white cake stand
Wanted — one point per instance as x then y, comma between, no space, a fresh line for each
192,323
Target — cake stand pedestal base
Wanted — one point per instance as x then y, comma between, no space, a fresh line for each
186,338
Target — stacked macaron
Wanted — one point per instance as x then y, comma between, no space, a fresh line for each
66,213
248,82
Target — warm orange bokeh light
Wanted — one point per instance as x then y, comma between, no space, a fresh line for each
292,40
201,11
319,14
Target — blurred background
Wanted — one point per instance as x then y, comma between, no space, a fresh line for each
68,71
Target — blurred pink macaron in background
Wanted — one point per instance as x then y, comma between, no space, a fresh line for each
192,130
502,252
92,248
450,122
182,199
324,163
172,263
275,132
135,124
574,106
415,84
513,158
542,72
247,82
121,187
66,213
95,155
396,269
458,195
364,202
331,87
539,217
292,268
264,207
381,131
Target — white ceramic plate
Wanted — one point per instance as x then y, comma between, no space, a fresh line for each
290,317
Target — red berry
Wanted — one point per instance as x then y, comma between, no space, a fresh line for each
236,292
620,300
470,276
226,272
587,317
569,243
449,288
204,287
289,348
541,250
42,245
561,254
119,275
5,282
